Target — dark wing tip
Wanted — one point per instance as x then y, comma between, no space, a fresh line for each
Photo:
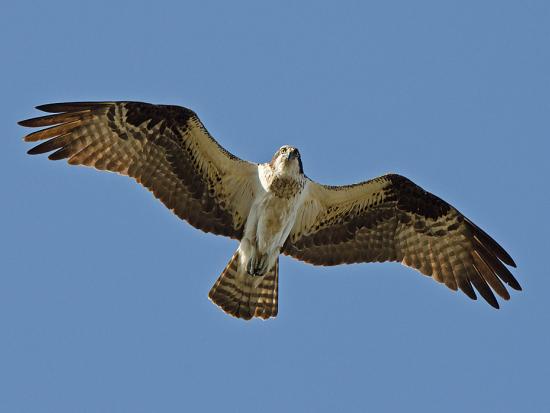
59,108
491,244
512,282
496,265
29,123
34,151
62,153
69,106
466,288
56,119
509,261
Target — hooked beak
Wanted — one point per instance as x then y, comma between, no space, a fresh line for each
292,155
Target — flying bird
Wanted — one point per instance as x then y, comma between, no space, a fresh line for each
272,208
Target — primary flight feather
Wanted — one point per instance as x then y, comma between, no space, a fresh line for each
272,208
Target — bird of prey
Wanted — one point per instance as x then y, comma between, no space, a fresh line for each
272,208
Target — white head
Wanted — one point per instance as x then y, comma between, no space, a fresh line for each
287,161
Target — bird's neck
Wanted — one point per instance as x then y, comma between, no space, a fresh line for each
285,184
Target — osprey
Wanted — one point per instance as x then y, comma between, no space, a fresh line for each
272,208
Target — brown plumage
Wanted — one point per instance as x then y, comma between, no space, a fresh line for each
392,219
244,296
272,208
164,148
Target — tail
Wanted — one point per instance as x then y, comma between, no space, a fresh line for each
246,296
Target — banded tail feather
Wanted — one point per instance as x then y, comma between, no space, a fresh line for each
244,296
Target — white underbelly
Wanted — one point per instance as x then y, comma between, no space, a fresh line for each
275,223
271,220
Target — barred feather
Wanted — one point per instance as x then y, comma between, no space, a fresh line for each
245,296
392,219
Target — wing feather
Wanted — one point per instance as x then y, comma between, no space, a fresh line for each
165,148
392,219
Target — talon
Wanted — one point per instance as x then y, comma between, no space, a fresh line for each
250,266
257,265
262,266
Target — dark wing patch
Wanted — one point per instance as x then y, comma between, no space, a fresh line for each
411,198
392,219
165,148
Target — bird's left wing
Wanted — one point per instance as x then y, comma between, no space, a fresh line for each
165,148
392,219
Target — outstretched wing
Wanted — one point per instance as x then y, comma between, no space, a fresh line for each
392,219
164,148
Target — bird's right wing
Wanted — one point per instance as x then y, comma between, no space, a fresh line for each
165,148
392,219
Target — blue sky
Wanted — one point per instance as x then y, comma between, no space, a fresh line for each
103,298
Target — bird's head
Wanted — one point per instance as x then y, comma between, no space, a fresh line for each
287,161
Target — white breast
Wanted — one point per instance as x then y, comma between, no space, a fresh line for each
271,217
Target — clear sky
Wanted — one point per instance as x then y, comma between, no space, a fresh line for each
103,292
